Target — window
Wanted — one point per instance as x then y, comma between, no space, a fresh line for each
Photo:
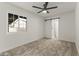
16,23
55,23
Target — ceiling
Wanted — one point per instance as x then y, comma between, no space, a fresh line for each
62,7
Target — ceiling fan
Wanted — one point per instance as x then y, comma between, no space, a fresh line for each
45,8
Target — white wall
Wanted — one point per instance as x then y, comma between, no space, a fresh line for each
66,25
48,29
12,40
77,26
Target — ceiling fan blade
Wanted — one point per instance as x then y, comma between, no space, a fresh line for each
51,8
45,5
40,11
37,7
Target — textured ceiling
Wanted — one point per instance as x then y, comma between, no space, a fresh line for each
62,7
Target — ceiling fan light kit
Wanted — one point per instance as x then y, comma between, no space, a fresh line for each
44,11
45,8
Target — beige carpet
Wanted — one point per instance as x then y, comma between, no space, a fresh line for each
44,47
